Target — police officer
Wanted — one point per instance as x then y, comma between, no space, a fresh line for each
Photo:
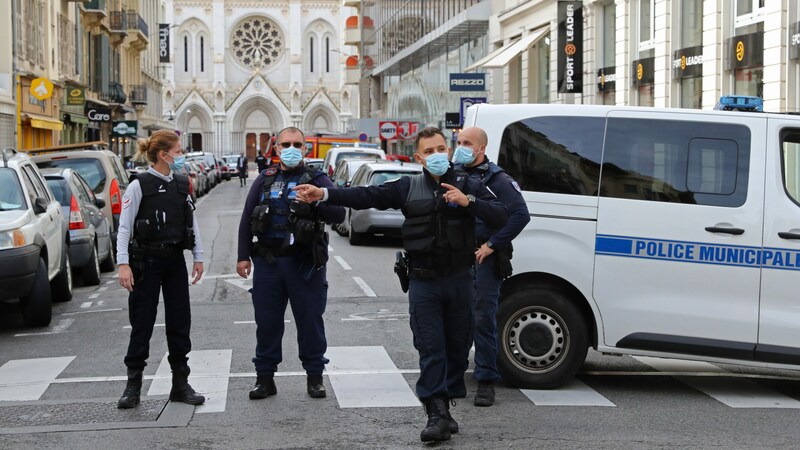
157,223
440,206
261,161
289,257
493,255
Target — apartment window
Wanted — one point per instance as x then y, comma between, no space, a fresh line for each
749,11
646,25
311,54
202,54
609,37
690,57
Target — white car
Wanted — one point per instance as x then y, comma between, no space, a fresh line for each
672,233
34,252
337,154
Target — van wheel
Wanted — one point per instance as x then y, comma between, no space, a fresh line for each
91,273
37,308
61,286
353,237
543,338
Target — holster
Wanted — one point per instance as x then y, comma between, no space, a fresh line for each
136,261
401,269
502,262
319,249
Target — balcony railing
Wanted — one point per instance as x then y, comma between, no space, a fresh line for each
138,95
95,5
117,21
135,21
114,94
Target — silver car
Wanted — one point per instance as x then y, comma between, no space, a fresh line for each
358,224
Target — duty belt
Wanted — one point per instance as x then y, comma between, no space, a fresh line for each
161,250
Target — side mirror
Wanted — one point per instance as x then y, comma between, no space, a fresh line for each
40,205
99,202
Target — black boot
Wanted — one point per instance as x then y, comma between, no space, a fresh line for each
453,423
181,391
485,394
315,387
438,426
133,390
265,386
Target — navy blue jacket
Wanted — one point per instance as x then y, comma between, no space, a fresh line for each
507,191
328,213
393,194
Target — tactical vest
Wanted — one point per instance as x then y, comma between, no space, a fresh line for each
436,235
270,222
164,214
485,172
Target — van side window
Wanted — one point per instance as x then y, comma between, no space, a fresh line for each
790,157
675,161
558,154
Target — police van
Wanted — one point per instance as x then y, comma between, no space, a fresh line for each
658,232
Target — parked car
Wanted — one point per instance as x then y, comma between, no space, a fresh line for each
230,161
202,179
210,162
337,154
90,247
34,242
344,172
314,163
224,171
358,224
101,169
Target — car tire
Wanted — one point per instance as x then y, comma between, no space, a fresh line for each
61,286
108,264
37,307
91,272
543,338
353,237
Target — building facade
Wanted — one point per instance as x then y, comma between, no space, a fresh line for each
8,107
241,70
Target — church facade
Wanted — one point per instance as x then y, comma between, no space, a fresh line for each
241,70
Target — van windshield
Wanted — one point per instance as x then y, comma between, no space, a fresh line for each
11,196
91,170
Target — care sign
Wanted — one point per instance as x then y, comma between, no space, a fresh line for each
125,128
387,130
98,114
570,46
467,82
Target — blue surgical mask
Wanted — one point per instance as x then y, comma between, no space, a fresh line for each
463,155
437,164
177,163
291,156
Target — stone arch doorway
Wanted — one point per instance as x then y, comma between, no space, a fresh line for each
258,132
254,124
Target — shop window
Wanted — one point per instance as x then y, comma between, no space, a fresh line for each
691,92
644,95
539,71
749,82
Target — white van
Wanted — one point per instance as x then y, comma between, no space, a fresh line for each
659,232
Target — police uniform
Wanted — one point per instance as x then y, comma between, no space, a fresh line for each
289,259
157,223
495,267
439,239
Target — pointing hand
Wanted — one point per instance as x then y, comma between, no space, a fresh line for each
453,195
309,193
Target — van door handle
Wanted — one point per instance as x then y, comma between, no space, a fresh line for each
734,231
788,235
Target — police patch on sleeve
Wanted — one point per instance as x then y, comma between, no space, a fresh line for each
126,201
516,186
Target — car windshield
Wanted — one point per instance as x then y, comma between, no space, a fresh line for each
60,190
11,196
231,159
91,170
378,178
352,155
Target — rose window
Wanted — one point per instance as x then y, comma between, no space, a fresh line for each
257,42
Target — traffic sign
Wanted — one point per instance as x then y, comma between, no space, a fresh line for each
363,137
388,130
41,88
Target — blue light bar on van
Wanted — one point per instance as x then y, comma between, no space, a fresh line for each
740,103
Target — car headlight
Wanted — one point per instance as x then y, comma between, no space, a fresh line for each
12,239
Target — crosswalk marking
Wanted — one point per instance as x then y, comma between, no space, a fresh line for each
364,287
574,393
60,327
367,390
27,379
736,393
210,373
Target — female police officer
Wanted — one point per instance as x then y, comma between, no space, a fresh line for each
156,225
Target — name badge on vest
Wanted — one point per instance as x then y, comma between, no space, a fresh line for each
292,194
275,190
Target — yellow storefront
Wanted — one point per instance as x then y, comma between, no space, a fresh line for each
38,123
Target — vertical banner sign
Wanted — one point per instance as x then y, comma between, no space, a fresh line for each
163,42
570,47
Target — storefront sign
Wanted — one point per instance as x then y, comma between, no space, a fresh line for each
466,102
163,42
41,88
387,130
467,82
98,114
644,71
570,46
76,96
746,50
688,62
407,130
452,120
607,79
125,128
794,40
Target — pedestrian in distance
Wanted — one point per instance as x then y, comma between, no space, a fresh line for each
241,167
156,225
288,263
493,256
261,161
440,206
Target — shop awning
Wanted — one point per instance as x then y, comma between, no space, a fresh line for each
512,51
77,118
44,122
490,56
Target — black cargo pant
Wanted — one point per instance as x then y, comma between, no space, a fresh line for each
165,273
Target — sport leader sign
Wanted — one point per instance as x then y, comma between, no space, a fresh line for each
570,47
